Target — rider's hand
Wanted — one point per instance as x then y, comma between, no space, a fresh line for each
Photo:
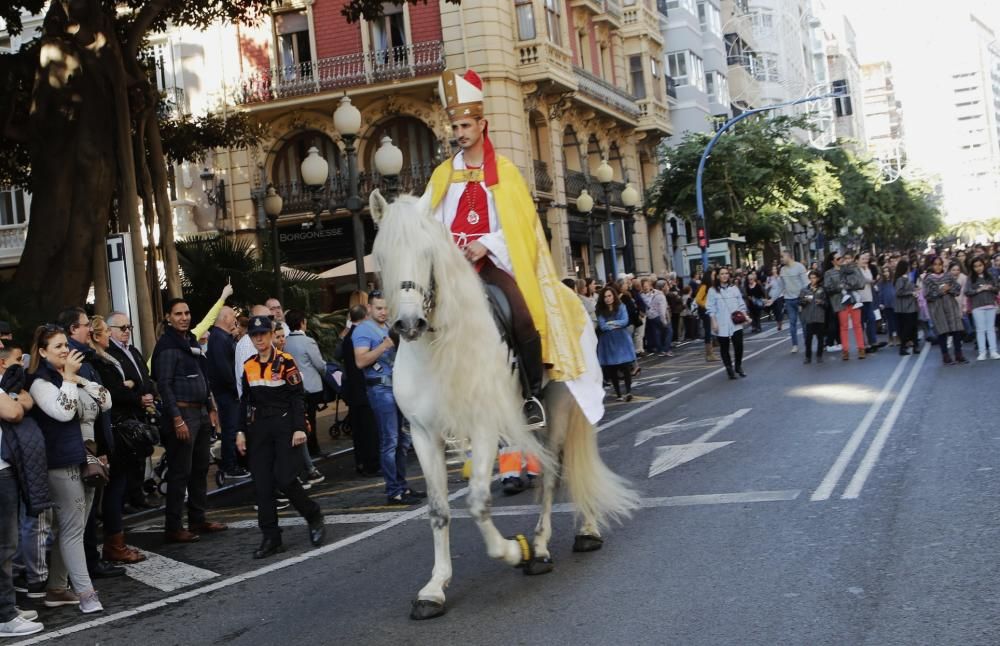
475,251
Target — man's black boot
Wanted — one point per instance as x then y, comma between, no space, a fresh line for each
530,357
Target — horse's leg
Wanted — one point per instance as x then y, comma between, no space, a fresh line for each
430,450
484,453
556,433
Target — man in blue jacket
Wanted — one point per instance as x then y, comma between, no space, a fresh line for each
221,372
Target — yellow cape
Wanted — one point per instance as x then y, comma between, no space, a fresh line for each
554,309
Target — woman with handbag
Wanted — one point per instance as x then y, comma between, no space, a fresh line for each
728,312
63,401
127,401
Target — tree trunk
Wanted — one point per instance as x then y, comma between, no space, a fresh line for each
73,167
102,295
158,168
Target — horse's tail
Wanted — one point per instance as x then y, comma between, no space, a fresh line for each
599,493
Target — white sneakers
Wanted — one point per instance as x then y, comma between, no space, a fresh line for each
982,356
19,627
994,355
89,602
795,349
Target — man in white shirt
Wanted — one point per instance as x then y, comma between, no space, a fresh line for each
274,309
794,278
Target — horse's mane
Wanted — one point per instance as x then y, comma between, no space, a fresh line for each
467,358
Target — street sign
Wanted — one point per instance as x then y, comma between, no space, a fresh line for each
121,282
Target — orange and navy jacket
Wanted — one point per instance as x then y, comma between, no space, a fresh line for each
272,389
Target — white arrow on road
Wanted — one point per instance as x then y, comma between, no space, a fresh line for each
717,424
668,382
668,457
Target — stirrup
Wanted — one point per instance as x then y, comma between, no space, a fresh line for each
534,421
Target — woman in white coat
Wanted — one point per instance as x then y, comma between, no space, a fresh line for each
724,301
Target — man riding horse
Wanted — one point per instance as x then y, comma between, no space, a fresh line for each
481,197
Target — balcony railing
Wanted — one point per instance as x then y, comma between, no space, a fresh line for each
351,70
613,8
654,115
297,198
576,181
12,238
639,20
543,180
607,93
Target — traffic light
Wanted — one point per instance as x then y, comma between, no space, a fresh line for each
702,238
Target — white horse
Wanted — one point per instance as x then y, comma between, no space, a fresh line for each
452,379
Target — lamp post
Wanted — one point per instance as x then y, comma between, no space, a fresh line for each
315,171
272,207
630,199
604,175
388,163
585,205
215,194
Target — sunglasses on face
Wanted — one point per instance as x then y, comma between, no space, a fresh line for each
375,294
123,328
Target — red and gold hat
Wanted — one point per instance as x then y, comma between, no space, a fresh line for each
462,95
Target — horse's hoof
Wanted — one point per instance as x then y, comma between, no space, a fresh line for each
527,554
587,543
425,609
539,565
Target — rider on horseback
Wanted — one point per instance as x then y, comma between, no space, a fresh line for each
481,197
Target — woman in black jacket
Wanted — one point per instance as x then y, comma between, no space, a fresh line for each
125,398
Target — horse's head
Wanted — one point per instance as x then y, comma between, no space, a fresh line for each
405,249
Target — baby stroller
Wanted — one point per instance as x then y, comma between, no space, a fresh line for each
333,378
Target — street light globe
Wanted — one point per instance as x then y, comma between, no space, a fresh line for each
584,203
604,172
347,118
630,196
314,168
272,203
388,158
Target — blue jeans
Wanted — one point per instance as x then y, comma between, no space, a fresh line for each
869,322
394,442
35,542
229,420
792,310
9,500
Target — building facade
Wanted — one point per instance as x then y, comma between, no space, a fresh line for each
567,84
883,114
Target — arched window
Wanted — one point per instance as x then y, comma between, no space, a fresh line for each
285,171
417,141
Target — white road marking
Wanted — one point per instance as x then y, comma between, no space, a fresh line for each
295,521
826,487
718,424
871,456
668,457
166,574
659,400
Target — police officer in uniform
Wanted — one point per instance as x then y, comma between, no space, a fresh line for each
272,427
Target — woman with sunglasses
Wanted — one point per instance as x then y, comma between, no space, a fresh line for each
62,400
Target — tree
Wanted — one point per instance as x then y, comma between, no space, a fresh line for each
80,126
753,181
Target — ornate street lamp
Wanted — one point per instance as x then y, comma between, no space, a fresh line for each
388,163
272,207
585,205
604,175
315,171
216,195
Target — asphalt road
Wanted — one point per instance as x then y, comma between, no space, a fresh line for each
843,503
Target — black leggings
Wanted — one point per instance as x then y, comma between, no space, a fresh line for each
907,328
611,374
956,341
737,340
817,330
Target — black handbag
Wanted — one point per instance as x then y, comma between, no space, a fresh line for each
135,438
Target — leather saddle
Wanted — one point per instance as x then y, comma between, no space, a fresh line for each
504,319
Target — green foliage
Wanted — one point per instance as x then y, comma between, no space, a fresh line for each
187,137
759,179
354,10
207,263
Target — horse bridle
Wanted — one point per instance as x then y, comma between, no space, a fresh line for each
429,294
